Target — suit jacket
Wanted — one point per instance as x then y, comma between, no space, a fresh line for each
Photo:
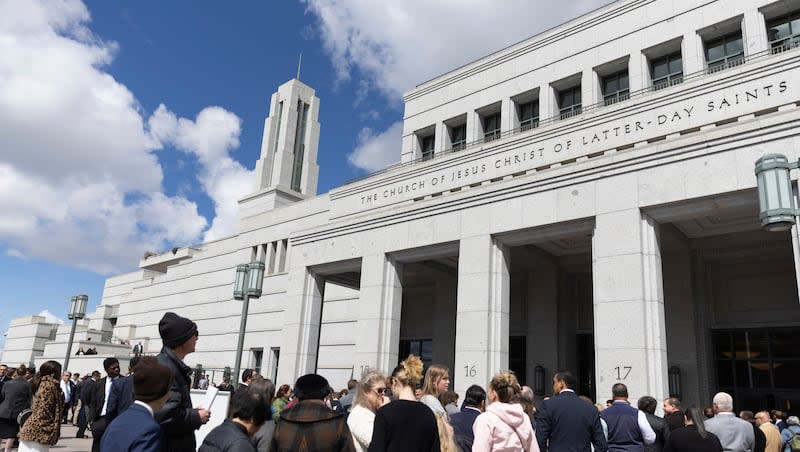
98,398
735,434
178,418
661,428
567,423
462,423
120,398
134,430
15,396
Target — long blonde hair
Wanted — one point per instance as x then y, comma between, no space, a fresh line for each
447,442
432,376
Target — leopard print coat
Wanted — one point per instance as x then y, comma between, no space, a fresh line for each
44,425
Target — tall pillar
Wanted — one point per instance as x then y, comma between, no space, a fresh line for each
506,115
482,313
754,32
629,325
590,88
548,107
379,308
692,53
638,72
302,317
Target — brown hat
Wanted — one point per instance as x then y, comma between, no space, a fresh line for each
175,330
151,380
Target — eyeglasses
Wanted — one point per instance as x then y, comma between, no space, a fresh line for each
379,390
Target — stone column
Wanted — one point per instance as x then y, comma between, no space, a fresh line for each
548,107
590,88
482,314
473,127
693,54
302,316
506,115
379,307
754,32
638,72
629,326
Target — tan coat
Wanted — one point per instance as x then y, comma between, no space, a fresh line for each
44,425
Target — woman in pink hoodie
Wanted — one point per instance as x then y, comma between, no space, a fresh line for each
504,426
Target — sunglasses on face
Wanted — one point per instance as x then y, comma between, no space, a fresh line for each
379,390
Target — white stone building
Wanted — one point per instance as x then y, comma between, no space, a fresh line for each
582,200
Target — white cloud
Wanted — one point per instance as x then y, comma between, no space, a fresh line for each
395,45
210,137
49,317
377,151
80,182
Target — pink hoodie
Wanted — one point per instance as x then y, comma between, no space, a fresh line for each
504,427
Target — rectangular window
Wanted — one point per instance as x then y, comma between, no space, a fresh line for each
725,52
757,359
784,32
426,145
569,102
491,127
278,127
458,137
667,70
615,88
273,367
299,144
528,115
257,358
418,347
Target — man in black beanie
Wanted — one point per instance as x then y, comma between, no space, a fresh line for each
178,418
310,424
135,429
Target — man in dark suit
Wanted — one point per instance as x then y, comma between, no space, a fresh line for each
247,377
567,423
86,389
121,396
135,429
98,405
474,404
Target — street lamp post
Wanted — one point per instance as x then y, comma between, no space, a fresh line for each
248,283
777,200
77,309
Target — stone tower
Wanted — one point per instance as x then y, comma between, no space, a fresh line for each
287,170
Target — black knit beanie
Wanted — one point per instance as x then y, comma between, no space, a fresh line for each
151,380
311,386
175,330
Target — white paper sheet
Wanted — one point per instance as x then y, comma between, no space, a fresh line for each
211,394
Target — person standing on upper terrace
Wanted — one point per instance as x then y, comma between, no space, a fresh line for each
178,418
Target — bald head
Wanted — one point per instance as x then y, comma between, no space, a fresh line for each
723,403
762,417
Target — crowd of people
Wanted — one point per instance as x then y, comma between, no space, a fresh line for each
410,409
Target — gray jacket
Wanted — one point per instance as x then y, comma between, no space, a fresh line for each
735,434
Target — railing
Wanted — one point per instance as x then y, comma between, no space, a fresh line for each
666,82
491,135
725,63
617,97
657,85
529,124
782,45
569,112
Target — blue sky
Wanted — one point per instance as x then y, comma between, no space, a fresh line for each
121,123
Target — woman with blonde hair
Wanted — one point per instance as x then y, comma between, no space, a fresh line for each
437,381
405,424
504,426
43,427
369,397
